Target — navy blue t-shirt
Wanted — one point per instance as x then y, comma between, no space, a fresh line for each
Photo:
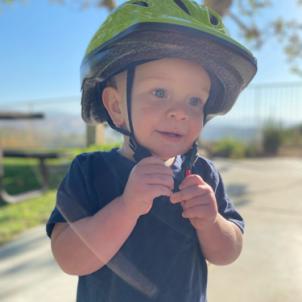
161,261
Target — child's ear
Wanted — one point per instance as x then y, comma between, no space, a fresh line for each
113,104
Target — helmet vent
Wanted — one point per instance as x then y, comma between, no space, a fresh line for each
214,20
182,6
141,3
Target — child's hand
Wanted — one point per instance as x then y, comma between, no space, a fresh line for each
148,179
198,201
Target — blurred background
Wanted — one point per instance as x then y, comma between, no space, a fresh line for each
257,146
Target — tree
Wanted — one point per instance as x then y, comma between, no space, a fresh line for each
244,14
287,32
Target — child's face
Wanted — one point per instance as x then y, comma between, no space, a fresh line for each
168,100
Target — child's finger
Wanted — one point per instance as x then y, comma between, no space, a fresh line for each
159,179
159,190
157,169
186,194
191,180
196,211
151,160
152,165
194,202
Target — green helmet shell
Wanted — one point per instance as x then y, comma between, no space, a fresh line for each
135,12
148,30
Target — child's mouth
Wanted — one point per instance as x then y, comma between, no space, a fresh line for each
170,135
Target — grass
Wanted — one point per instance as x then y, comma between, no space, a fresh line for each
22,175
17,218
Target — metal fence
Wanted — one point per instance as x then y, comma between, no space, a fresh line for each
279,102
62,127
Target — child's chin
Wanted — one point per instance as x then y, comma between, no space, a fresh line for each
169,153
166,155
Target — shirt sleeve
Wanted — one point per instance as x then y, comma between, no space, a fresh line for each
225,205
73,200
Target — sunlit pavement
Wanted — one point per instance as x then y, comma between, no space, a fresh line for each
268,193
28,272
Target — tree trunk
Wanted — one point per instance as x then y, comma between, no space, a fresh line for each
90,135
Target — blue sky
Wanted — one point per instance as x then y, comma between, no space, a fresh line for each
42,45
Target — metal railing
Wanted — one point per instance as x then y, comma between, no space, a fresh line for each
63,126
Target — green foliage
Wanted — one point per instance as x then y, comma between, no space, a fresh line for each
293,136
93,148
16,218
253,150
27,179
272,138
22,175
229,147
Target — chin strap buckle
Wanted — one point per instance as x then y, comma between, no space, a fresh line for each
188,172
189,160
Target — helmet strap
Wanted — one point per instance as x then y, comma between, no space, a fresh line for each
140,152
121,130
108,119
189,159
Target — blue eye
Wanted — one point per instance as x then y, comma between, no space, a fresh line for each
159,93
195,101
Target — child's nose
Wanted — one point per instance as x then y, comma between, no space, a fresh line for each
178,112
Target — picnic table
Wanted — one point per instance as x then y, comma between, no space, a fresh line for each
41,156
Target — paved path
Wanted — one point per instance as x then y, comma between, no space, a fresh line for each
268,195
28,272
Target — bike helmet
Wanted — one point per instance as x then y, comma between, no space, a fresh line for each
142,31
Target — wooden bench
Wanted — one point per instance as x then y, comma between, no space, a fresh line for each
42,157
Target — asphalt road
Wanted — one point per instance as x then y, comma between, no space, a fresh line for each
267,193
